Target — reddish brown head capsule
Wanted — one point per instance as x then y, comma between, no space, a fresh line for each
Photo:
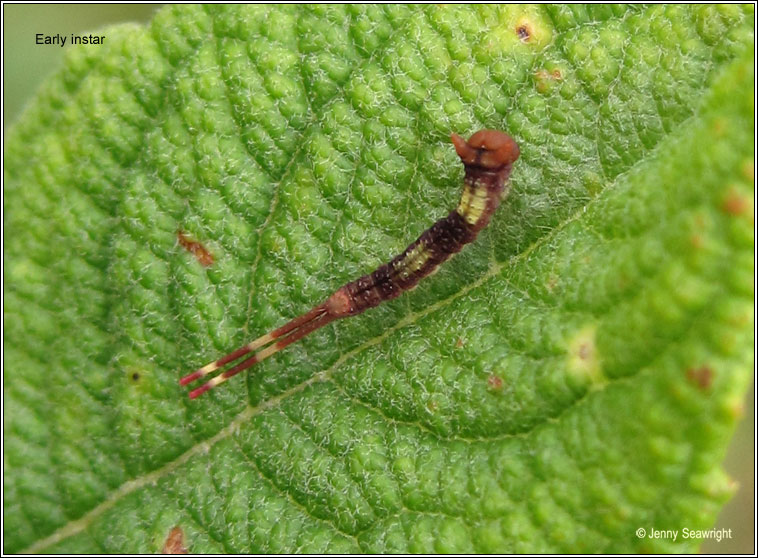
487,157
490,149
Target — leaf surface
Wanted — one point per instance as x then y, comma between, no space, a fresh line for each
571,377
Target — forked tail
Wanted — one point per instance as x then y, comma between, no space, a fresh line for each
284,336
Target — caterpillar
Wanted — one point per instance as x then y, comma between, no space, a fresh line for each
488,157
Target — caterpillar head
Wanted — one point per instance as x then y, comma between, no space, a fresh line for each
489,149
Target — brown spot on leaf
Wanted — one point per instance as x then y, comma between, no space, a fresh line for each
545,75
583,356
195,248
736,204
545,79
495,383
459,343
523,32
702,377
135,376
174,542
432,406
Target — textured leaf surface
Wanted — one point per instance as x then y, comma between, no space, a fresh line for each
572,376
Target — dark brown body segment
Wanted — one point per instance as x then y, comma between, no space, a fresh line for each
488,157
445,238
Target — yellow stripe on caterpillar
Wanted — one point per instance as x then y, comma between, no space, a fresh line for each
476,207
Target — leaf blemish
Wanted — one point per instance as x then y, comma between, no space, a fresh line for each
583,359
523,32
495,383
736,204
545,79
546,75
702,377
135,376
195,248
174,542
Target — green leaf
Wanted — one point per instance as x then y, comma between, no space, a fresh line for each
571,377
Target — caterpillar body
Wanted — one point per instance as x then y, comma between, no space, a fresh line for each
488,157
